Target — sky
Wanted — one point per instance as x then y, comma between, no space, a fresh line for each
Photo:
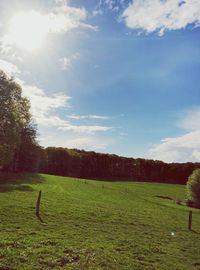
111,76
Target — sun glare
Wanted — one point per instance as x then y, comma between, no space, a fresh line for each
28,30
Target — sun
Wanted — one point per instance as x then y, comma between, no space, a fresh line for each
28,30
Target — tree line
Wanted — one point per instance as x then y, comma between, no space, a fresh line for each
20,151
92,165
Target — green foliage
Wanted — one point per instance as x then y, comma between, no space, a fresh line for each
16,130
122,226
29,151
193,187
83,164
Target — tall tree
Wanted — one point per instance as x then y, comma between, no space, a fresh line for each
15,121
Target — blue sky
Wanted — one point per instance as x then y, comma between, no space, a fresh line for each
111,76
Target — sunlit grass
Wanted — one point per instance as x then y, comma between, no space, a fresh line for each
95,225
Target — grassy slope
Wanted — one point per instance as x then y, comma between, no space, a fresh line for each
95,225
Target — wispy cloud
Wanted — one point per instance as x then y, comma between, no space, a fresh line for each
84,129
160,16
95,117
44,105
66,62
64,18
183,148
112,5
46,115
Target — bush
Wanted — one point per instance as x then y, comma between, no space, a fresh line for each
193,187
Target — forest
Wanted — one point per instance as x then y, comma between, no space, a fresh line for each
92,165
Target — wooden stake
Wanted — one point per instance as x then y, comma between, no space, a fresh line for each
190,220
38,203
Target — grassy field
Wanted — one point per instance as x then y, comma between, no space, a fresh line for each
95,225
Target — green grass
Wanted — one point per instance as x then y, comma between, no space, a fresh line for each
95,225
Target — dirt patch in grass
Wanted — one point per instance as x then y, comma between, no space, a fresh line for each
5,268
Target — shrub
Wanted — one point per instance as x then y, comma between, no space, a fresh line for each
193,187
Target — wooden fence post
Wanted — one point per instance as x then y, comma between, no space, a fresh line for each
190,220
38,203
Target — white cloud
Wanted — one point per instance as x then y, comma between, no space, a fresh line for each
64,18
86,143
182,148
9,67
97,117
97,12
42,105
179,149
159,15
84,129
112,5
44,109
66,62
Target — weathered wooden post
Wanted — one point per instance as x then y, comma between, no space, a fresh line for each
190,220
38,204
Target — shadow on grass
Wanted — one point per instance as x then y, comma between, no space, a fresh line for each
18,182
194,231
39,218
